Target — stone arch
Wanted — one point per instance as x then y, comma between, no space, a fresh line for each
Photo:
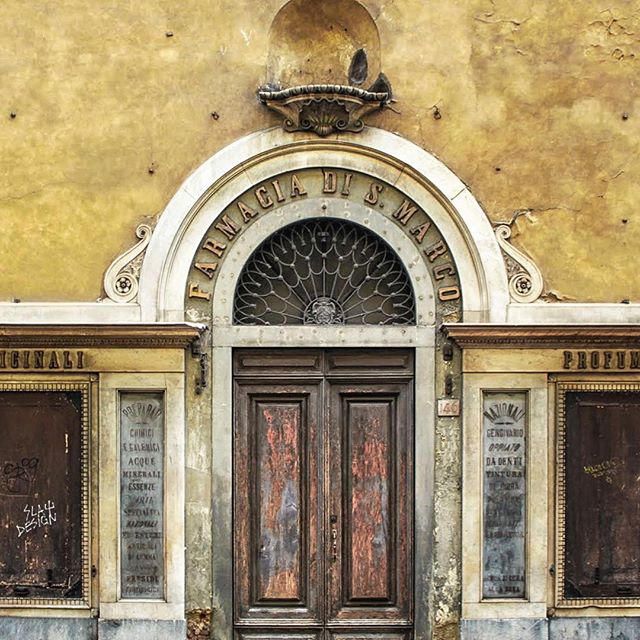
259,156
217,187
314,42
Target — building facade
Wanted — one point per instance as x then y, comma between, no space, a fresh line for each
319,321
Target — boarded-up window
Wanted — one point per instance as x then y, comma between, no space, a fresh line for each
43,493
601,438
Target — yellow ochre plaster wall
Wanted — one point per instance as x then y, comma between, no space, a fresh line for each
532,104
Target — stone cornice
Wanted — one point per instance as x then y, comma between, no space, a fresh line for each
135,336
321,89
477,336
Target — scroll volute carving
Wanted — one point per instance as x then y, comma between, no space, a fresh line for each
525,279
121,278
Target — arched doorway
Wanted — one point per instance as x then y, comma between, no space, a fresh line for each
207,235
386,360
323,441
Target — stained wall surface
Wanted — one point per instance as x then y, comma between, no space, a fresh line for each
532,105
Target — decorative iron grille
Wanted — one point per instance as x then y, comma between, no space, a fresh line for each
324,272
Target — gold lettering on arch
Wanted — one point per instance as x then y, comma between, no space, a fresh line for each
265,198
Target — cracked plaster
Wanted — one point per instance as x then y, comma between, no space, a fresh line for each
101,96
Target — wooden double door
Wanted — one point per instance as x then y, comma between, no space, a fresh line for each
323,494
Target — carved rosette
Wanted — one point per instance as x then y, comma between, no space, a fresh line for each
323,108
121,278
525,279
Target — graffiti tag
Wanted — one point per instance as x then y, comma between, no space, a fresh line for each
36,517
18,476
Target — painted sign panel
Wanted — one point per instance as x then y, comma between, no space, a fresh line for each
142,495
504,448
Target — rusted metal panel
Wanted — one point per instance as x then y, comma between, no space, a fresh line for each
602,459
41,495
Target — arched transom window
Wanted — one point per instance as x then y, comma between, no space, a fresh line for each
324,272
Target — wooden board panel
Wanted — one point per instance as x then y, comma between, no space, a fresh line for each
40,495
602,495
276,504
370,494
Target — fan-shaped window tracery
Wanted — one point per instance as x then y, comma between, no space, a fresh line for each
324,272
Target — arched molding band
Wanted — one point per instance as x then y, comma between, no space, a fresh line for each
380,154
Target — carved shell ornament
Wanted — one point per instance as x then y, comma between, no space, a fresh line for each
121,278
525,279
323,108
329,108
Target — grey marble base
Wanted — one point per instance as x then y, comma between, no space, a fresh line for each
594,629
142,629
552,629
48,628
521,629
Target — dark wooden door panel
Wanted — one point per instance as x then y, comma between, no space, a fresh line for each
283,362
40,495
602,494
370,479
288,634
323,494
279,474
370,498
406,634
370,363
276,505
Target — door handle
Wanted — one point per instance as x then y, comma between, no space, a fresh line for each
334,538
